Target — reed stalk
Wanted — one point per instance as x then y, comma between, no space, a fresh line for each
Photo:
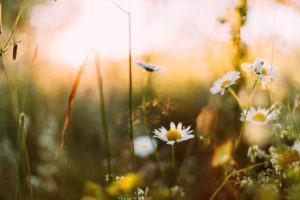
130,93
103,116
15,107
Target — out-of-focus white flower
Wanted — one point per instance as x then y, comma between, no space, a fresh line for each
261,69
144,146
260,116
225,82
269,84
175,134
150,67
296,146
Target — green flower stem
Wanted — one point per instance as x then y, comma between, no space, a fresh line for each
245,114
145,86
173,158
231,174
237,99
103,117
251,97
237,142
144,99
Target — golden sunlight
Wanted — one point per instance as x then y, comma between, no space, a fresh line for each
75,28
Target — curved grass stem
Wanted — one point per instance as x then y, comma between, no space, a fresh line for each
232,92
230,175
6,45
243,115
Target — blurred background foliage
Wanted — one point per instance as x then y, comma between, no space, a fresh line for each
41,89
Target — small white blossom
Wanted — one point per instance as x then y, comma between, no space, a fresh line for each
260,116
150,67
261,69
225,82
175,134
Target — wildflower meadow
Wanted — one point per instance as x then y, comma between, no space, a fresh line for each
149,100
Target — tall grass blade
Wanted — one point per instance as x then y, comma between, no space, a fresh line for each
103,116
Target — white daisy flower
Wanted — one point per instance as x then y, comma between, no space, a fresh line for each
175,134
150,67
260,116
144,146
260,68
225,82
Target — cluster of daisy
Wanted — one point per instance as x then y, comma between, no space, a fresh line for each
281,160
282,169
278,161
260,70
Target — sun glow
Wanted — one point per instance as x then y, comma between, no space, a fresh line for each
67,30
99,25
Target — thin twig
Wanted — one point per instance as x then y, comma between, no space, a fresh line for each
120,7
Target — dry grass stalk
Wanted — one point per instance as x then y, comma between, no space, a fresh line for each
69,110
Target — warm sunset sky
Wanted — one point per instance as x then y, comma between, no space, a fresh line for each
68,30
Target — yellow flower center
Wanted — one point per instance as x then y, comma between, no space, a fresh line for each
264,70
259,117
144,147
173,135
225,83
